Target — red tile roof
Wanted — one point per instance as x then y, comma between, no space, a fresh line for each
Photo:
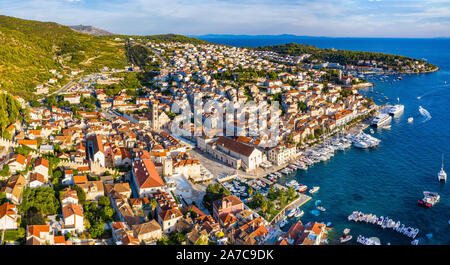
170,214
7,209
37,177
80,179
41,161
36,230
146,174
71,209
59,240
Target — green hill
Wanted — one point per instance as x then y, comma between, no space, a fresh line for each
165,38
29,49
344,57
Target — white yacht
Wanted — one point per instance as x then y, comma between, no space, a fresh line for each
429,199
299,213
363,140
361,144
291,213
381,119
442,176
396,109
314,189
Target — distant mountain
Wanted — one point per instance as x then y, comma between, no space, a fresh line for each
91,30
236,36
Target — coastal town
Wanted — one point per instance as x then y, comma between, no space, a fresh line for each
96,161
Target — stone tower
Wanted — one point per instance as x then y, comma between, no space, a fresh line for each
167,167
155,116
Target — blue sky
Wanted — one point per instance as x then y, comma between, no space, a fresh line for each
343,18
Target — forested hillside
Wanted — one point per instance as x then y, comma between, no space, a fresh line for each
10,112
29,49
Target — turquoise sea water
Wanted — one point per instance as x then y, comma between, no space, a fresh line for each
390,179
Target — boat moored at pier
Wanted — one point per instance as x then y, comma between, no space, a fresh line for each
396,110
384,222
381,120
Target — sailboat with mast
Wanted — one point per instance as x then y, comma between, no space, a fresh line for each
442,176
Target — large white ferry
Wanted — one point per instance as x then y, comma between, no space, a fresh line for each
381,119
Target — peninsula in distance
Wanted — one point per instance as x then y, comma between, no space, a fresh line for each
220,139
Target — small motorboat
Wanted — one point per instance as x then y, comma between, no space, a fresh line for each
299,213
291,213
314,189
283,223
410,119
321,208
345,238
430,199
302,188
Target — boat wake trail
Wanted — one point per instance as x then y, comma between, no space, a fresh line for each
425,113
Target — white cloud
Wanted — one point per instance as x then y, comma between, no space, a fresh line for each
318,18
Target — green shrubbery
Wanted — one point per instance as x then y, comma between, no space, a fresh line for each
213,192
10,112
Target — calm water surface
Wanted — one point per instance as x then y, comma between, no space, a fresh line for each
390,179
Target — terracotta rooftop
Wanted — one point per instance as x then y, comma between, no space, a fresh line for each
146,174
235,146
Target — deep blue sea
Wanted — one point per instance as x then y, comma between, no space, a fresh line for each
390,179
